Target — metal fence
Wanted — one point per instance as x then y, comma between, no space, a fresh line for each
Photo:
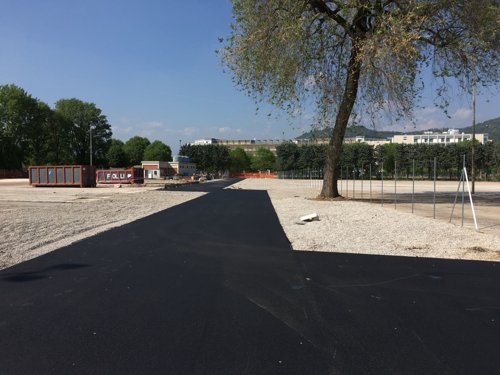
436,196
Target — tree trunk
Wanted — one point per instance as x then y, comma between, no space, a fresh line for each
331,176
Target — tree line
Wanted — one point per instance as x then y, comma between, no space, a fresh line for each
32,133
215,159
395,158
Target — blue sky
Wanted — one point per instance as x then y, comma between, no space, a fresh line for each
150,66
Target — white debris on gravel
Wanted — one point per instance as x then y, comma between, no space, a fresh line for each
364,228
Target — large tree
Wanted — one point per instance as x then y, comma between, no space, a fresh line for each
23,120
135,148
87,121
158,151
361,55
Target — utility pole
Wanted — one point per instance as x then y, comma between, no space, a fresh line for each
90,127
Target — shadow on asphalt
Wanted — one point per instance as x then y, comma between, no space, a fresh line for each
40,274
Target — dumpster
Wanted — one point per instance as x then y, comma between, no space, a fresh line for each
120,176
62,175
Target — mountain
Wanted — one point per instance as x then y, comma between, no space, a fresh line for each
491,127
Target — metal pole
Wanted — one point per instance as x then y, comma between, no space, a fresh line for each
354,183
470,197
362,178
90,145
341,179
370,182
463,193
473,170
382,201
434,196
347,182
395,183
413,187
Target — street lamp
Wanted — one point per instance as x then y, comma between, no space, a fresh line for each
90,130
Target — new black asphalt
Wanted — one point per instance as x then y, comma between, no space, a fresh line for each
212,287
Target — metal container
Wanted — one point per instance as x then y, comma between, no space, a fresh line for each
120,176
62,175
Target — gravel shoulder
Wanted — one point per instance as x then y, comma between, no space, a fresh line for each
35,221
349,226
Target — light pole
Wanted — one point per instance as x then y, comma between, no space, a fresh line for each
90,130
180,143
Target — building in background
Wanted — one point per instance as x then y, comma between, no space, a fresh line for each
249,145
164,169
183,166
445,138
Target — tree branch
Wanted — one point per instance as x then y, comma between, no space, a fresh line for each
322,7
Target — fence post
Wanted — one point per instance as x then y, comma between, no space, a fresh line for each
354,183
395,183
434,196
347,182
362,172
370,182
341,179
463,190
413,186
382,200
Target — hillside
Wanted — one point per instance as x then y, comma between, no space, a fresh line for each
492,127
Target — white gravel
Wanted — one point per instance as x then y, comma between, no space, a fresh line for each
364,228
34,221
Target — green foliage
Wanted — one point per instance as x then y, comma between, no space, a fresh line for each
116,155
263,159
22,128
208,158
134,148
239,161
359,156
287,156
86,120
158,151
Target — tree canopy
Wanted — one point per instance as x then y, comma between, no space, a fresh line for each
158,151
87,120
116,155
359,55
208,158
239,160
135,147
263,159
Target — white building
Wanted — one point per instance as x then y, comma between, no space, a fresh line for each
162,169
450,136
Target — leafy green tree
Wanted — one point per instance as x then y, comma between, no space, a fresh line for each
239,160
22,128
287,156
363,55
208,158
57,140
87,120
135,148
158,151
263,159
116,155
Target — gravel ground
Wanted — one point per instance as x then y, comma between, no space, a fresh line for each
35,221
358,227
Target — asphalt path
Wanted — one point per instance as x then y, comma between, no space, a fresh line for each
212,287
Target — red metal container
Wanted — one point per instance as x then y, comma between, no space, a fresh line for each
120,176
62,175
